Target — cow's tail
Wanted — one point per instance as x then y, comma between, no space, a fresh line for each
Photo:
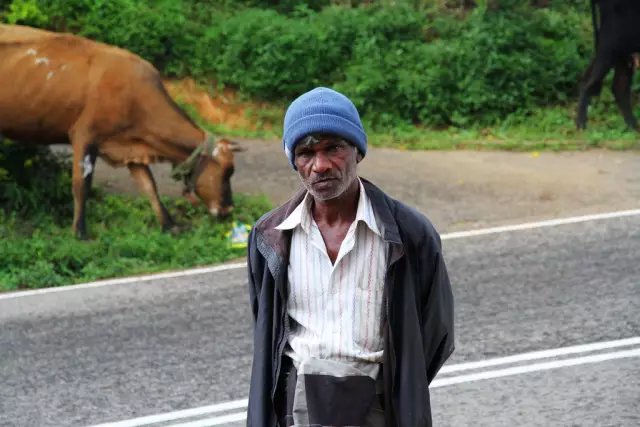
594,21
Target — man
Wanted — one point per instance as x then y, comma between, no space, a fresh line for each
352,303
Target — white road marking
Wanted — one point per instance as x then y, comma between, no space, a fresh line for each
171,416
544,354
126,280
42,60
540,224
535,367
438,382
213,269
216,421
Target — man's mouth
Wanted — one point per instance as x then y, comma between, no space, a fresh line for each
321,180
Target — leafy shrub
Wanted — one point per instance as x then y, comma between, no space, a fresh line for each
496,64
156,30
158,33
56,15
273,56
34,181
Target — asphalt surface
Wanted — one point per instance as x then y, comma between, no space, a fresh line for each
88,356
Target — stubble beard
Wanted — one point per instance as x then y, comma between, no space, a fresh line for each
338,187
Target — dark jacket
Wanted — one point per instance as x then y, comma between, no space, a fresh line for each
418,304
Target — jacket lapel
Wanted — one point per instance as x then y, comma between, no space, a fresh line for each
274,244
380,203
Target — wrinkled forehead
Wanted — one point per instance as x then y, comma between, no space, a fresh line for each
317,138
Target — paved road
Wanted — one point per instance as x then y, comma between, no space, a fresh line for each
82,357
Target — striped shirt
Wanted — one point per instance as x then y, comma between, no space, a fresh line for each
335,310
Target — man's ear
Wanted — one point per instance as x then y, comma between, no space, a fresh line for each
359,156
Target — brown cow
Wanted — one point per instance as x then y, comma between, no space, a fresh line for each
107,102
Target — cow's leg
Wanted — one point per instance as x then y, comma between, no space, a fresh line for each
621,89
83,152
591,86
144,179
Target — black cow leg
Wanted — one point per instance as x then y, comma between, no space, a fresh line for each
621,88
592,85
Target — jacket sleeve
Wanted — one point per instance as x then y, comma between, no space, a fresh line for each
253,292
437,315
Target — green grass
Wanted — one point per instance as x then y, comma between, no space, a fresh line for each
547,129
550,129
126,240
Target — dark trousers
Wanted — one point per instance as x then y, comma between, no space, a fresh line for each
285,393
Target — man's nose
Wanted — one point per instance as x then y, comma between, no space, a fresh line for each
321,163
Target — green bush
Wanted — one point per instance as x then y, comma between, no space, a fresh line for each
496,64
55,15
266,54
34,181
159,31
404,66
273,56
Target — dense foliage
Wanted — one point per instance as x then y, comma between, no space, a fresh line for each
430,62
32,179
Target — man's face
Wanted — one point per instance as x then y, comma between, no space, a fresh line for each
326,164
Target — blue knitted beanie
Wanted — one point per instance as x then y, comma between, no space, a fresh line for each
322,110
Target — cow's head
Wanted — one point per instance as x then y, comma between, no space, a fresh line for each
210,176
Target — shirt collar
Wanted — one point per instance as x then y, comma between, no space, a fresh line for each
301,215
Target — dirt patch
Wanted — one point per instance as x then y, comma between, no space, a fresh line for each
457,190
222,108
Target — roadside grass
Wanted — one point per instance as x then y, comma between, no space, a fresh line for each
547,129
125,240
